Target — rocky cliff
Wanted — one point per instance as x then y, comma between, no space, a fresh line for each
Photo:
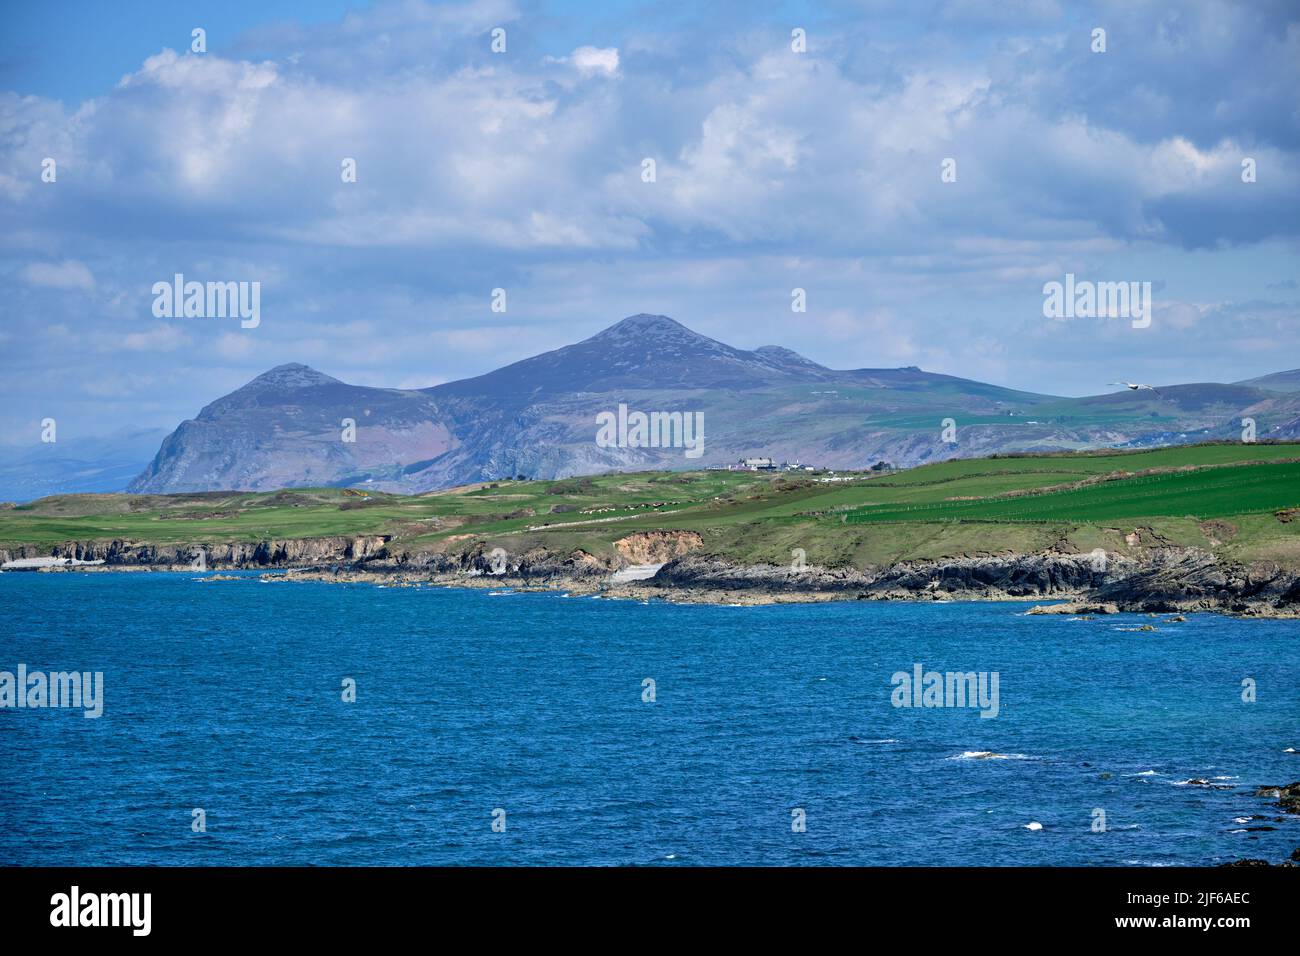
1158,580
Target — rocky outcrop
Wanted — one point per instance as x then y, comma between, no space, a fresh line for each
1075,607
657,547
1287,796
1009,576
1172,579
1162,580
288,552
534,565
709,573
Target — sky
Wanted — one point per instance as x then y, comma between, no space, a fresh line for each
775,169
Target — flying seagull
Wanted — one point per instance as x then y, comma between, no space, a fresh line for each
1134,386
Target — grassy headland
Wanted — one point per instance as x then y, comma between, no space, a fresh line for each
1233,500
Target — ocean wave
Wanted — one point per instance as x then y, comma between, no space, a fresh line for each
990,755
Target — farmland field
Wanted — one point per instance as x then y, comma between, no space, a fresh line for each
1006,503
1202,493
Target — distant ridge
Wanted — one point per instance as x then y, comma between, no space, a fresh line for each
537,417
1277,382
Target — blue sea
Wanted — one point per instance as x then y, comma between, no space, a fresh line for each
227,697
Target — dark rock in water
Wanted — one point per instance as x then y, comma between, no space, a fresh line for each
1291,861
1105,775
1290,801
1288,796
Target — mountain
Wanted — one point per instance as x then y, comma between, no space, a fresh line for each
287,426
539,417
641,352
75,465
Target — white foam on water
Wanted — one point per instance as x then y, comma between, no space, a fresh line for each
989,755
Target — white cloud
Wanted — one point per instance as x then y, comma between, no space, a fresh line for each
590,59
68,274
160,338
232,345
775,170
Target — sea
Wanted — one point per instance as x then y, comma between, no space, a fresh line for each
253,721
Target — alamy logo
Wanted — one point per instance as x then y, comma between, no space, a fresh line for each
75,908
1098,300
208,300
57,689
922,688
626,429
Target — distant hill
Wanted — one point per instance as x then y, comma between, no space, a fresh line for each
1277,382
286,427
75,465
538,418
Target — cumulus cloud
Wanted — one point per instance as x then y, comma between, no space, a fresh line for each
590,60
775,169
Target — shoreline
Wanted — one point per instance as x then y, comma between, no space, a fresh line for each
694,579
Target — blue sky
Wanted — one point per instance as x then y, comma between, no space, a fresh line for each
522,170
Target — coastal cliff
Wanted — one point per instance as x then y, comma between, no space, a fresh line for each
1158,580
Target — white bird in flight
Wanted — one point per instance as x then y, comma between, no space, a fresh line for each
1134,386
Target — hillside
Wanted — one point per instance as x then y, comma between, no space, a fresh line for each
537,418
1277,382
1235,502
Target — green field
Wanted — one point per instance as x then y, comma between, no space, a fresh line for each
1226,497
1204,493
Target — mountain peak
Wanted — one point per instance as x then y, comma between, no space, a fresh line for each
643,324
292,375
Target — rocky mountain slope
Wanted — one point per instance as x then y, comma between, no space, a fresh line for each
538,418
